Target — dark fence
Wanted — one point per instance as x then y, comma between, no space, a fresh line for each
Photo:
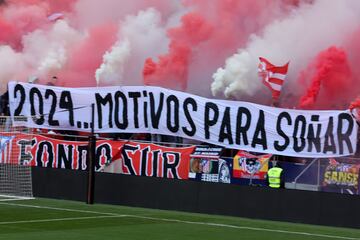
214,198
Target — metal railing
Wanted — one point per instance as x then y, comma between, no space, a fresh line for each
295,182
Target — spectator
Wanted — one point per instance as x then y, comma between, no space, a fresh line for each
4,104
275,176
53,82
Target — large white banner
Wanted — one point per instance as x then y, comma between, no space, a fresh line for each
142,109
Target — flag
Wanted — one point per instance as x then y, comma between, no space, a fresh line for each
273,76
247,165
55,16
355,109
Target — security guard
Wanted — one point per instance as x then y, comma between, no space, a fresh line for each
275,176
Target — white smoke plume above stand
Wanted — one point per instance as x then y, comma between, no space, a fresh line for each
43,53
112,69
139,36
51,47
10,62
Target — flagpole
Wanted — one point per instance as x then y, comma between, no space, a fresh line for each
273,77
91,155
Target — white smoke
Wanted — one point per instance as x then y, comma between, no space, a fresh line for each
45,51
230,78
141,35
54,60
297,38
112,69
11,63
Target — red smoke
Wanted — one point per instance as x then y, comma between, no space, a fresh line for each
172,69
20,17
353,49
49,5
18,20
86,57
7,32
207,34
355,104
235,21
354,55
202,41
232,22
355,108
330,77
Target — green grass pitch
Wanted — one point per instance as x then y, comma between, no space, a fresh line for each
57,219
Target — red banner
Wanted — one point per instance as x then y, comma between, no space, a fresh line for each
156,161
38,150
125,157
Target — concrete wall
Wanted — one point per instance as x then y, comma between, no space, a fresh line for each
214,198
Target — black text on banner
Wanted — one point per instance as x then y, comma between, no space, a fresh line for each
232,124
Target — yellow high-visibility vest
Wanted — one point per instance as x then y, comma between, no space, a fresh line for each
274,177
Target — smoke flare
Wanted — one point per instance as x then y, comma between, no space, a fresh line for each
182,44
331,72
172,69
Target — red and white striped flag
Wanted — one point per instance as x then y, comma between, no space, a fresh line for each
273,76
355,109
